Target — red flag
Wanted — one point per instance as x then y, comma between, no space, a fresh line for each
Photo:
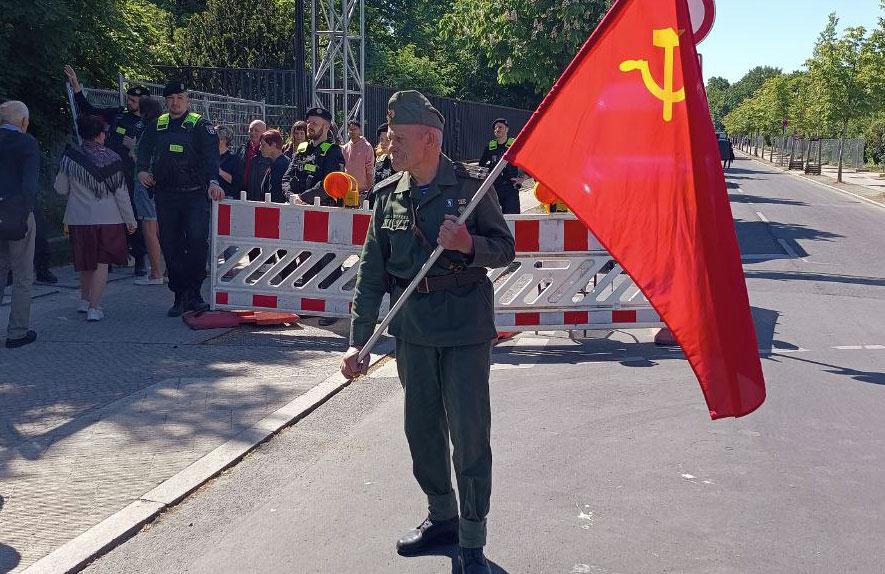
625,139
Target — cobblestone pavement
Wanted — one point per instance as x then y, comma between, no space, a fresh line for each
93,415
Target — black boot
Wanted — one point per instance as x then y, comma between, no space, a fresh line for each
196,303
473,561
428,535
178,307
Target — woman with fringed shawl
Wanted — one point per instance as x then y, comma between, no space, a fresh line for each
98,213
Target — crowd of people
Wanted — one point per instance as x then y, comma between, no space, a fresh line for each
136,186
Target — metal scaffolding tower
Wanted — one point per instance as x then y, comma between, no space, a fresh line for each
338,54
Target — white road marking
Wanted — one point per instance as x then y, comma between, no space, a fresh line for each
874,347
762,217
849,347
688,476
585,515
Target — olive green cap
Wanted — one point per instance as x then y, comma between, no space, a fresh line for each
411,107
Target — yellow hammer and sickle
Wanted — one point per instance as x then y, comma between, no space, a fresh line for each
667,39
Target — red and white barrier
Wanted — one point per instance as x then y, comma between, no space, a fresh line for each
304,259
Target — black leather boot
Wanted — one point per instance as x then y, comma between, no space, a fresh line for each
473,561
196,303
428,535
177,308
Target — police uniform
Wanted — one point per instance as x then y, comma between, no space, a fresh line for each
311,163
445,329
182,155
122,123
508,193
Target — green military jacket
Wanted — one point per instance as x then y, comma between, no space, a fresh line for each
451,317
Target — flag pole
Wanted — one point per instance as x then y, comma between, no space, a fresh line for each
477,197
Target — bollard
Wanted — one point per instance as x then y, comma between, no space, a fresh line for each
316,202
291,198
266,198
365,204
242,196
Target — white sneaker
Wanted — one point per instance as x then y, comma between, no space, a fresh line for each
147,280
83,307
94,314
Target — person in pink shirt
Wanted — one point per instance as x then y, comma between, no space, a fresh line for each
359,158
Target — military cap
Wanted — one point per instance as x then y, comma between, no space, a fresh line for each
411,107
319,112
175,87
137,90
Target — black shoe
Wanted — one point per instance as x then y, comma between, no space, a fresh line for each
428,535
326,321
45,276
196,303
178,307
473,561
29,338
140,269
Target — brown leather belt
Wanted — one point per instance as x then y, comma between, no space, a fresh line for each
469,276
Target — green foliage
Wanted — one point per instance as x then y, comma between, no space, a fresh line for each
403,67
528,42
100,37
238,34
875,140
717,91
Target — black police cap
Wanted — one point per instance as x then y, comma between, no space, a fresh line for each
319,112
175,87
381,129
500,121
137,91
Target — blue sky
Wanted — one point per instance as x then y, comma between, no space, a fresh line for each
780,33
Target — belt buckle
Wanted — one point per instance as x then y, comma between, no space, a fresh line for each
423,286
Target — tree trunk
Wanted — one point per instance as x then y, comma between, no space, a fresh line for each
841,149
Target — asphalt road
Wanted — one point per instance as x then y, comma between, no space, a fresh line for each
605,458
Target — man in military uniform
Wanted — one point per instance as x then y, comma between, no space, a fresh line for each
313,160
178,158
444,331
507,184
125,126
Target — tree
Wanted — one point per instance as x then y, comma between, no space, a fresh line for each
838,82
527,41
237,34
99,37
717,91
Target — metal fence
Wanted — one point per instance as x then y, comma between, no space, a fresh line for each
468,124
852,153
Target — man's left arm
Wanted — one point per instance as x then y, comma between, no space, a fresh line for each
207,150
493,244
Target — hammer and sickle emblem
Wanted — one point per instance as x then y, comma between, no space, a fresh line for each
667,39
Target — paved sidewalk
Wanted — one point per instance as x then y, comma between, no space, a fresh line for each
868,185
93,415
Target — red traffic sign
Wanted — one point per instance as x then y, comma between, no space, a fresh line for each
703,13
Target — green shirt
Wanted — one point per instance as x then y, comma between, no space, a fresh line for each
451,317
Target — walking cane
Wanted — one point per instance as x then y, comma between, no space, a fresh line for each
477,197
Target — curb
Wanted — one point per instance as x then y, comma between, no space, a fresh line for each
99,539
803,178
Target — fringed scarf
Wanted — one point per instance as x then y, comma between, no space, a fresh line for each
95,167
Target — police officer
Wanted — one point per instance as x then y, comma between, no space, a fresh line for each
507,184
178,158
313,160
125,126
445,329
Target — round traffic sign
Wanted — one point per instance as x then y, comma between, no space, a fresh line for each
702,13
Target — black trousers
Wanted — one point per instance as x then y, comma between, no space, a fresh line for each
183,218
42,253
509,198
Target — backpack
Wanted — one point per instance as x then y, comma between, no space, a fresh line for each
14,213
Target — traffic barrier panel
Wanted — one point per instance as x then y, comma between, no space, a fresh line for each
304,259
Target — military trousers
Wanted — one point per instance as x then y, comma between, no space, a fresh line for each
183,218
18,257
447,397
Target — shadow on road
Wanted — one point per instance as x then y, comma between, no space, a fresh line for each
821,277
872,377
9,556
745,198
451,552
